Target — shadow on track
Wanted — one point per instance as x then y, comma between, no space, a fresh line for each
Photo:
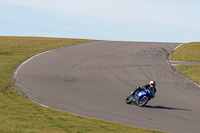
163,107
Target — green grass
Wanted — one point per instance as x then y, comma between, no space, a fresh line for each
190,71
189,52
17,114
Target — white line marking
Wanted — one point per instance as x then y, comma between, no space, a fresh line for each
177,71
17,70
178,46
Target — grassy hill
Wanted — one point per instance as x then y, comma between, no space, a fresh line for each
189,52
17,114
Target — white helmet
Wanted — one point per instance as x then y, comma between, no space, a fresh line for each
152,84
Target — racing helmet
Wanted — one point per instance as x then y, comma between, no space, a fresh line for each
152,84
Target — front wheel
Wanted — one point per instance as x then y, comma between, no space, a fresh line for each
142,101
129,99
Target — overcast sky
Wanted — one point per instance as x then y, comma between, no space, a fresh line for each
119,20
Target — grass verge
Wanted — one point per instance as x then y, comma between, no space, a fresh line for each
192,72
189,52
17,114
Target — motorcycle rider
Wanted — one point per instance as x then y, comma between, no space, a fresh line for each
152,85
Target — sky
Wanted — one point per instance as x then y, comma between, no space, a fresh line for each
113,20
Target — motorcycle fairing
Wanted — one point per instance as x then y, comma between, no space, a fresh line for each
144,93
141,93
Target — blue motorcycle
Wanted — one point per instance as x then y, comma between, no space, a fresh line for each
141,98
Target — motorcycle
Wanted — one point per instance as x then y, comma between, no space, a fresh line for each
141,98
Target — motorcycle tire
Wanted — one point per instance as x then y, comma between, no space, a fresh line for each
129,99
142,101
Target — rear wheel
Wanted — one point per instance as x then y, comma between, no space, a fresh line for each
129,99
142,101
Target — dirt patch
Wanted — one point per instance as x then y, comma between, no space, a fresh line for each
10,86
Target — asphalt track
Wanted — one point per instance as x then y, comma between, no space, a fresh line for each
93,80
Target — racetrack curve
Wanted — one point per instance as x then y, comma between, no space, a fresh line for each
93,79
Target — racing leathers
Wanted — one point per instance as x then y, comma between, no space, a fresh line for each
143,88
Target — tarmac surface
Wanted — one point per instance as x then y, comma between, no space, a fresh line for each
93,80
